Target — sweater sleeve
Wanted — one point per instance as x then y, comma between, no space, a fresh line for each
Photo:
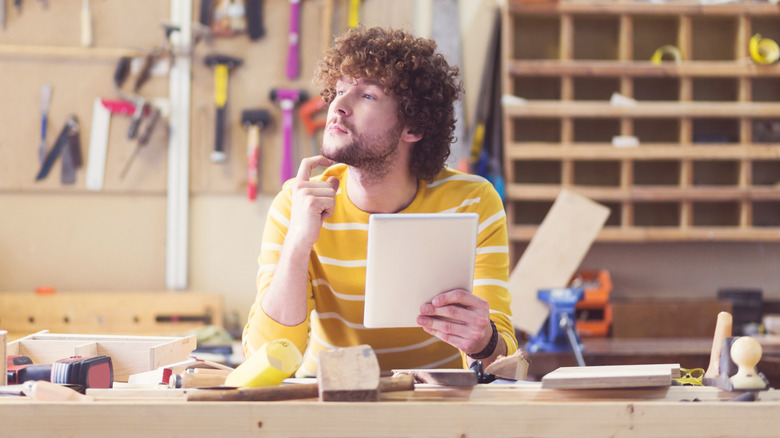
260,327
491,272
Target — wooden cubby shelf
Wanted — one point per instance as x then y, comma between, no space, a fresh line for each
703,157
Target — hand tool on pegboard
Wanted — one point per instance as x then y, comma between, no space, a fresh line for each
46,91
254,19
86,24
254,120
67,145
306,112
353,18
222,64
102,111
287,99
228,17
2,13
293,40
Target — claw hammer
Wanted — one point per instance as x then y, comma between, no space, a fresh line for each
222,64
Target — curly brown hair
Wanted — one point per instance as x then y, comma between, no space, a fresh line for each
410,69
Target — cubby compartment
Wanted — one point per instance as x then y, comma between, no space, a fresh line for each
765,89
538,87
657,173
715,214
657,130
597,37
661,89
768,27
536,130
715,173
766,214
715,130
766,130
615,214
716,89
766,173
656,214
595,88
653,32
714,38
536,37
537,172
595,130
597,173
529,212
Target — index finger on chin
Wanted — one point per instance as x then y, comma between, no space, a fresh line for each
309,164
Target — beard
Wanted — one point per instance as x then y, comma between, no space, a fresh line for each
371,153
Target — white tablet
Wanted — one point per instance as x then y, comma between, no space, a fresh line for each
413,257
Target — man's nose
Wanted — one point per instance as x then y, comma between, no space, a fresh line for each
342,105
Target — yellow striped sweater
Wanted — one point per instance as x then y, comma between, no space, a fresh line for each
337,271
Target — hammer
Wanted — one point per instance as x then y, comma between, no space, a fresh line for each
253,120
287,100
222,65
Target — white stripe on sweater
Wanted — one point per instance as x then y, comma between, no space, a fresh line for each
342,263
341,296
489,221
463,177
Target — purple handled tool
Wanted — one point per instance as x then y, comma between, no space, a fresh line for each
287,100
294,35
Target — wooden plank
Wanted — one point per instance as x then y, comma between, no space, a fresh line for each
737,68
553,255
611,376
646,151
645,109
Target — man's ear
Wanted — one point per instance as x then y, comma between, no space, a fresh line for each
411,136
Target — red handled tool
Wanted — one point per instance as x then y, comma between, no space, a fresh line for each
254,121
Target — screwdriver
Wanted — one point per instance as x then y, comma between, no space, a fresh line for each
45,103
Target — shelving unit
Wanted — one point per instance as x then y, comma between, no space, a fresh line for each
707,166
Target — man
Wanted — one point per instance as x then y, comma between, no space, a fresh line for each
389,126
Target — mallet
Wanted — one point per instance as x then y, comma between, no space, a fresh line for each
253,120
222,65
287,100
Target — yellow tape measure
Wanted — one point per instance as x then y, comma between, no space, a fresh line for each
690,377
764,50
668,49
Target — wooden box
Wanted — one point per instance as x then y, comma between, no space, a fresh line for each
129,354
666,319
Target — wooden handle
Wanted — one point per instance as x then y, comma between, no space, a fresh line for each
4,357
289,392
722,331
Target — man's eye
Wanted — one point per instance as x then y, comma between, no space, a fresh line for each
368,96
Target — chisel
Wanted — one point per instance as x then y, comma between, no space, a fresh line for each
45,103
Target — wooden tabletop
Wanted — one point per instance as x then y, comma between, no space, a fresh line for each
523,410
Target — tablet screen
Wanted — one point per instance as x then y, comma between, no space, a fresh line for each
413,257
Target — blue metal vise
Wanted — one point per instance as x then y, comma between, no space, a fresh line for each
558,334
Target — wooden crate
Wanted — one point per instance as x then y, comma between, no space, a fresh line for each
666,319
129,354
114,313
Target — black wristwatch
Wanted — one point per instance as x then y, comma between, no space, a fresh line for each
490,347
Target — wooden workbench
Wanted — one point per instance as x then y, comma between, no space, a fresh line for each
486,411
688,352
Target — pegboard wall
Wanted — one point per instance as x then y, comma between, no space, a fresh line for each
41,44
